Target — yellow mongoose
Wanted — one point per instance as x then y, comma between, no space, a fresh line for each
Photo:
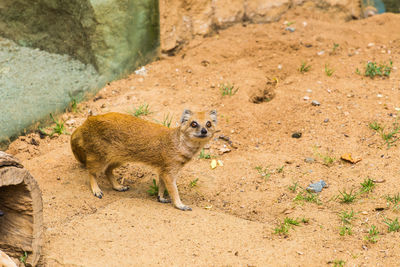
105,142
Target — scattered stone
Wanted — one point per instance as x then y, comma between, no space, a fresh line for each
296,135
205,63
309,91
315,103
142,71
379,209
34,142
306,98
326,120
320,53
309,160
364,213
223,150
379,95
379,181
70,122
227,139
317,187
279,67
364,247
290,29
97,98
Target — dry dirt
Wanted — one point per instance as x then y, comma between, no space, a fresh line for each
235,209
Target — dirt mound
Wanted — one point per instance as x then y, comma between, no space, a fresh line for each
240,208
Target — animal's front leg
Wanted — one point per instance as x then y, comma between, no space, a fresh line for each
161,190
170,183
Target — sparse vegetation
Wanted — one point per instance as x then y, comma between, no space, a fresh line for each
327,159
167,119
306,196
204,155
373,235
265,173
334,48
193,183
372,69
228,89
389,137
367,186
153,190
58,128
393,225
294,187
328,71
23,258
347,217
347,197
283,228
395,200
345,229
304,67
338,263
142,110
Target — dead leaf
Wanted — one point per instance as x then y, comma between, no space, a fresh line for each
347,157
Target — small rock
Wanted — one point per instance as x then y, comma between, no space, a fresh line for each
309,160
379,95
306,98
326,120
70,122
279,67
34,142
309,91
142,71
223,150
379,181
290,29
320,53
317,187
304,23
296,135
364,213
315,103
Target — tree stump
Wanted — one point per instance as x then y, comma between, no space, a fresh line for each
21,211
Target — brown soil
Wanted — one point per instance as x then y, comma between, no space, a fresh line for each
235,209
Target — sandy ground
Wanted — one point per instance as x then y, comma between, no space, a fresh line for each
236,209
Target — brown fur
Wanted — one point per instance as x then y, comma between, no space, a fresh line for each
107,141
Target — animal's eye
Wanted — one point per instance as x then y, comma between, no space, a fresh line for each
208,124
193,124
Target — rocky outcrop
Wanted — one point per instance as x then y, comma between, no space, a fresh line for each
115,36
183,20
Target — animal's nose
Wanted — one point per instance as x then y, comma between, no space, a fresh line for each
203,131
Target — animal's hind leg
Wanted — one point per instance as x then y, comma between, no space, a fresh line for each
95,169
161,189
113,179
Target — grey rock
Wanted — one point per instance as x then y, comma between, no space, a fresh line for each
317,187
290,29
309,160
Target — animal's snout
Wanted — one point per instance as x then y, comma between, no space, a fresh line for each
203,131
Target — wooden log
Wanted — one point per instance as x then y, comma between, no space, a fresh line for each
21,222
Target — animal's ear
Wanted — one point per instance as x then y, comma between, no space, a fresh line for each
213,115
186,116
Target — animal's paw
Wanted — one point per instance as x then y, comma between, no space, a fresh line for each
98,194
184,208
121,188
163,200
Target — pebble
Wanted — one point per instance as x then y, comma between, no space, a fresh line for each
306,98
70,122
296,135
279,67
326,120
142,71
317,187
309,91
290,29
309,160
379,95
315,103
320,53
